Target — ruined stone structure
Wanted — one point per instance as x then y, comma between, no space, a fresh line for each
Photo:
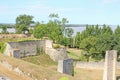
110,65
55,54
27,48
66,66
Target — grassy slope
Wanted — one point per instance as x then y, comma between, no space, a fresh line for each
43,60
11,75
42,71
39,72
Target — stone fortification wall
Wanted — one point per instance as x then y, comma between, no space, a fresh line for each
90,65
55,54
93,65
26,48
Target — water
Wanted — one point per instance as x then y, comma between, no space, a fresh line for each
10,30
76,29
80,29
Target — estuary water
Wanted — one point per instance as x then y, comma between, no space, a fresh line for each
76,29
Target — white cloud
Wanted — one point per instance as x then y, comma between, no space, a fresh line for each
35,9
109,1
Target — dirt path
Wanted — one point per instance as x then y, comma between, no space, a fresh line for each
11,75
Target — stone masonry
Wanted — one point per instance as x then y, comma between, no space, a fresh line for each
110,65
66,66
27,48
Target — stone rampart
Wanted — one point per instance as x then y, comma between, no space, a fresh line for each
55,54
93,65
27,48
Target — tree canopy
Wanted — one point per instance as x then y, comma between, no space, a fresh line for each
23,22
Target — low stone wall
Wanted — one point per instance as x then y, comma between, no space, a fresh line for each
93,65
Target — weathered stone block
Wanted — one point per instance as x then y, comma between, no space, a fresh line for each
16,53
66,66
110,65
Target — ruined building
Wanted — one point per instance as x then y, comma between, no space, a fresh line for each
27,48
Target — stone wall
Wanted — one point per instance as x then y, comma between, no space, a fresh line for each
55,54
26,48
93,65
90,65
66,66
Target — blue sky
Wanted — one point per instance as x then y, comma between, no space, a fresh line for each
76,11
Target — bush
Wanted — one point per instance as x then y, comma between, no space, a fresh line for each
2,47
56,46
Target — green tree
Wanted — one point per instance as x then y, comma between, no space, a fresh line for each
23,22
69,32
88,45
40,31
63,22
117,31
77,40
4,29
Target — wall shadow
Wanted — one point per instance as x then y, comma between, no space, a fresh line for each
117,77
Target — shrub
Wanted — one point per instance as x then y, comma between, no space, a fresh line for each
2,47
56,46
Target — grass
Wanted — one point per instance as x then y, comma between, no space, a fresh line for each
74,53
12,75
42,59
37,71
43,70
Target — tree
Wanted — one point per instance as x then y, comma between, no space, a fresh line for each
63,22
55,32
53,15
23,22
106,30
4,29
40,31
69,32
77,40
88,45
52,29
117,31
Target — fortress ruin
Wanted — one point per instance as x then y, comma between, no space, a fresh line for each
27,48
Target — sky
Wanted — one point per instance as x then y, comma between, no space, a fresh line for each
76,11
